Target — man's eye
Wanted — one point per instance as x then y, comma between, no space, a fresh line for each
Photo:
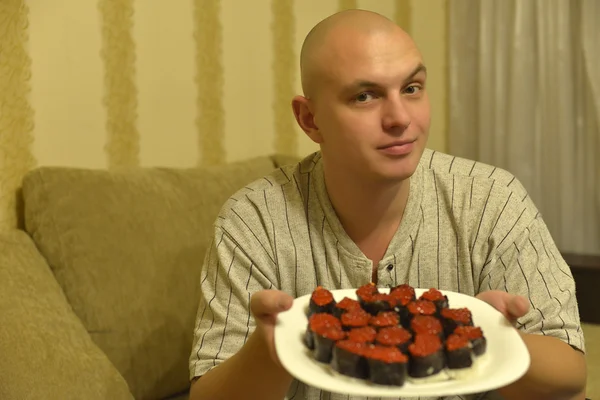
412,89
364,97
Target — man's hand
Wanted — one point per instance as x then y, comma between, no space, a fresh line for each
546,378
510,305
265,305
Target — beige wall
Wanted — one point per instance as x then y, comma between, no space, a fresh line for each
173,83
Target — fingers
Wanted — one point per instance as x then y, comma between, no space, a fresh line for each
510,305
270,302
517,306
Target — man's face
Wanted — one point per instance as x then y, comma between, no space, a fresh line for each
371,107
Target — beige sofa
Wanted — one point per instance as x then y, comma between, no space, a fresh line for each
99,289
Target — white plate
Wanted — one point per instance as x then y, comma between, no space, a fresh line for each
506,358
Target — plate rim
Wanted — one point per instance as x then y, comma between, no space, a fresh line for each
281,340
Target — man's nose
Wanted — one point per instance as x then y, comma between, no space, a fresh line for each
395,115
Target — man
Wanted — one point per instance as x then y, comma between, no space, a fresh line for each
375,205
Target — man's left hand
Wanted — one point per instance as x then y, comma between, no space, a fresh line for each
510,305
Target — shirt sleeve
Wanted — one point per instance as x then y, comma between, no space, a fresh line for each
236,265
533,267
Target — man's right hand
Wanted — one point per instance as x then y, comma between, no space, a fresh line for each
270,381
265,305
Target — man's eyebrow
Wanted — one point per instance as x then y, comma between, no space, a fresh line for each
419,68
361,84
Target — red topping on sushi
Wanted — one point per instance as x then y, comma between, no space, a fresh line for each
384,297
348,304
366,292
425,345
352,347
432,295
366,334
426,324
455,342
421,307
462,315
471,332
356,318
403,293
392,336
386,318
322,296
323,320
332,333
386,354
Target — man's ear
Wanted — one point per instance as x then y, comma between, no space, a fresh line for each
305,117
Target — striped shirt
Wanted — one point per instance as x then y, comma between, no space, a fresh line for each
467,227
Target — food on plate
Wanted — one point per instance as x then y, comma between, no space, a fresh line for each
365,334
455,317
321,301
426,356
384,319
427,324
386,365
349,359
355,319
475,335
394,336
437,298
318,323
458,352
346,304
389,338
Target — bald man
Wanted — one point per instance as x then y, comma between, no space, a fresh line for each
375,205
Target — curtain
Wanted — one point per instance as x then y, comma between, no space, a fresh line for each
524,95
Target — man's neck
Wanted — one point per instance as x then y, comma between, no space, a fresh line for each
367,210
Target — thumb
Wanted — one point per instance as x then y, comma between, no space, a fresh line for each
269,303
517,307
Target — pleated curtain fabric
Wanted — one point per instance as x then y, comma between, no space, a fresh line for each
524,95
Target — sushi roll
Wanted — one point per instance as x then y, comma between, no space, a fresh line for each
394,336
458,352
418,307
426,356
427,324
475,336
325,339
366,292
384,319
404,295
355,319
366,334
317,323
387,365
346,304
378,303
436,297
321,301
348,359
455,317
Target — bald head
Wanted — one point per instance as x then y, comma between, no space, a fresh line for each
335,34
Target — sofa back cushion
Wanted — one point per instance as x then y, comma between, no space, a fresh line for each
127,248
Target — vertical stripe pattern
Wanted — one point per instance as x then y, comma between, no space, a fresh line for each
284,74
120,99
210,120
16,113
293,242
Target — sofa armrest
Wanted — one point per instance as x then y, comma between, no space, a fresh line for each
46,351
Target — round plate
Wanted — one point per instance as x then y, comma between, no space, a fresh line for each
506,358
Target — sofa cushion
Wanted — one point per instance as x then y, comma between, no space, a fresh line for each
46,351
127,248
